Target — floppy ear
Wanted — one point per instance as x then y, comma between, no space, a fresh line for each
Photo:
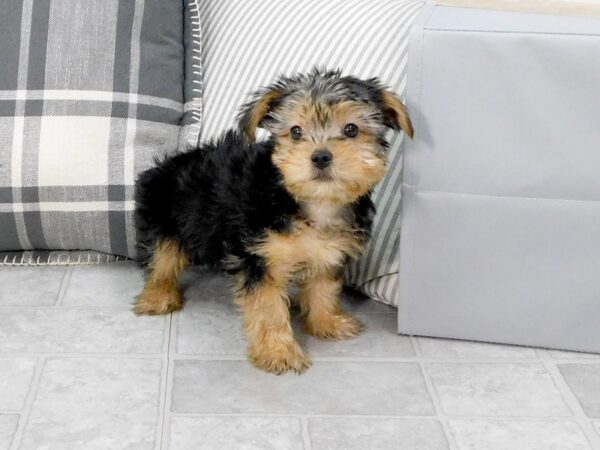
395,114
254,112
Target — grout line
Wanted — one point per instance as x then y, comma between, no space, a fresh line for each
437,404
498,418
64,284
569,398
168,383
26,412
167,405
82,355
160,428
127,307
172,349
392,359
166,345
110,308
342,359
305,434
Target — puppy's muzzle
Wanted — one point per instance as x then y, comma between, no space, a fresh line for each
321,159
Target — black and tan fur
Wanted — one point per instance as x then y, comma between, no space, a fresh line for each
290,209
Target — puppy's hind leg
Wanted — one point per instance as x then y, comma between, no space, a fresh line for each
161,294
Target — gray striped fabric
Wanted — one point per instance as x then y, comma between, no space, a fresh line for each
90,92
247,44
192,39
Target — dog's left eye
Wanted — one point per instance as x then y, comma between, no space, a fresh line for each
350,130
296,132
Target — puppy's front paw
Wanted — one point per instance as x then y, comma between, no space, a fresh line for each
334,327
280,358
155,301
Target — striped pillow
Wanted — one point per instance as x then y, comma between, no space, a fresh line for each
247,44
90,92
192,39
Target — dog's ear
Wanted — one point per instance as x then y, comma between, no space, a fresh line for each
253,114
395,114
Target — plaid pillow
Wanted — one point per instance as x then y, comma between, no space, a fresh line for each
90,92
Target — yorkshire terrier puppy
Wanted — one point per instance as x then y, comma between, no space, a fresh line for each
293,208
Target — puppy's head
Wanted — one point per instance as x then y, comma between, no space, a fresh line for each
329,132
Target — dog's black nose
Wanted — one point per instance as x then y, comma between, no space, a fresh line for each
321,158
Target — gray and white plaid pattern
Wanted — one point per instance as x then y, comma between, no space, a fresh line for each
90,92
247,44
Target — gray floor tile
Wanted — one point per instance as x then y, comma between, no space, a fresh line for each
559,354
584,381
211,328
477,389
521,435
448,348
211,288
380,434
356,302
99,404
248,433
70,330
30,286
210,324
380,339
208,328
214,288
112,403
326,388
15,379
8,426
102,285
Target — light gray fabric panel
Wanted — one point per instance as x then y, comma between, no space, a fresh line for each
519,271
501,190
464,19
517,131
248,44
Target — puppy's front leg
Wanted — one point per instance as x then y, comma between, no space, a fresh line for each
271,343
320,303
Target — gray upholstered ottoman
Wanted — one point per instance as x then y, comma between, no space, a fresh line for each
501,191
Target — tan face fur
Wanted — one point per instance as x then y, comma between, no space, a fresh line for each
358,163
321,105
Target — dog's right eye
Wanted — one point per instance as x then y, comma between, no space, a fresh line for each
296,133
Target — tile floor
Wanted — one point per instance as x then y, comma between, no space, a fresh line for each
79,371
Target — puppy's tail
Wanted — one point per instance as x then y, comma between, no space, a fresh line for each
231,140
